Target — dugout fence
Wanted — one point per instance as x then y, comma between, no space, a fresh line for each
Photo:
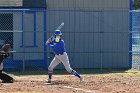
25,30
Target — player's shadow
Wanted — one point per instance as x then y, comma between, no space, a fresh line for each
58,82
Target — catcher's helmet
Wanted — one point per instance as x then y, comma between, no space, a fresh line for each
57,32
6,47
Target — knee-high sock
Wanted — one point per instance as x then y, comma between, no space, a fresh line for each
75,73
50,74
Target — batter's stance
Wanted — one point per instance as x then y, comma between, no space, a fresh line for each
57,44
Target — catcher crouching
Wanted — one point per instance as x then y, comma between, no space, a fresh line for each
4,53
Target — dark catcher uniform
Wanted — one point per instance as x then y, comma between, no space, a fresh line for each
4,76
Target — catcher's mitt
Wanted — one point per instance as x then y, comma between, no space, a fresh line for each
6,47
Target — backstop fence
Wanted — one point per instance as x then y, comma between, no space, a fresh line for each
94,38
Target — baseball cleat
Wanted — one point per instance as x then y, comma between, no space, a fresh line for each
81,79
49,81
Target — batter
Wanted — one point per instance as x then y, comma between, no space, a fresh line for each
58,46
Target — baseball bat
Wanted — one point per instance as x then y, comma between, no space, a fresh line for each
62,24
59,27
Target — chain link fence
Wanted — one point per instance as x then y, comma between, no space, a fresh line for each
25,31
95,39
28,30
136,39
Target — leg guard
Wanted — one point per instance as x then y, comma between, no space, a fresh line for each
6,78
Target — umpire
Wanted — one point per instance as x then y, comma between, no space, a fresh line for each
4,53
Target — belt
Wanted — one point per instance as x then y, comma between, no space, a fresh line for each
60,54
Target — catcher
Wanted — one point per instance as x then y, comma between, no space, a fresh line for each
57,44
4,53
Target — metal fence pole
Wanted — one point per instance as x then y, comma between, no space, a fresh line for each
23,60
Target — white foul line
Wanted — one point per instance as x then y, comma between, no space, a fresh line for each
84,90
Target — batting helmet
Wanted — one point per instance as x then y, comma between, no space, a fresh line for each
57,32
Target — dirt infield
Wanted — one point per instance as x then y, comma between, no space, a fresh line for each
102,83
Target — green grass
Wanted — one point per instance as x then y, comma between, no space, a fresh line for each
133,71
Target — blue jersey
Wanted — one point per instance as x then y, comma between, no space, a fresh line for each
58,47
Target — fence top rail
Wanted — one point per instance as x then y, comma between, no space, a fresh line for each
66,10
21,9
12,31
